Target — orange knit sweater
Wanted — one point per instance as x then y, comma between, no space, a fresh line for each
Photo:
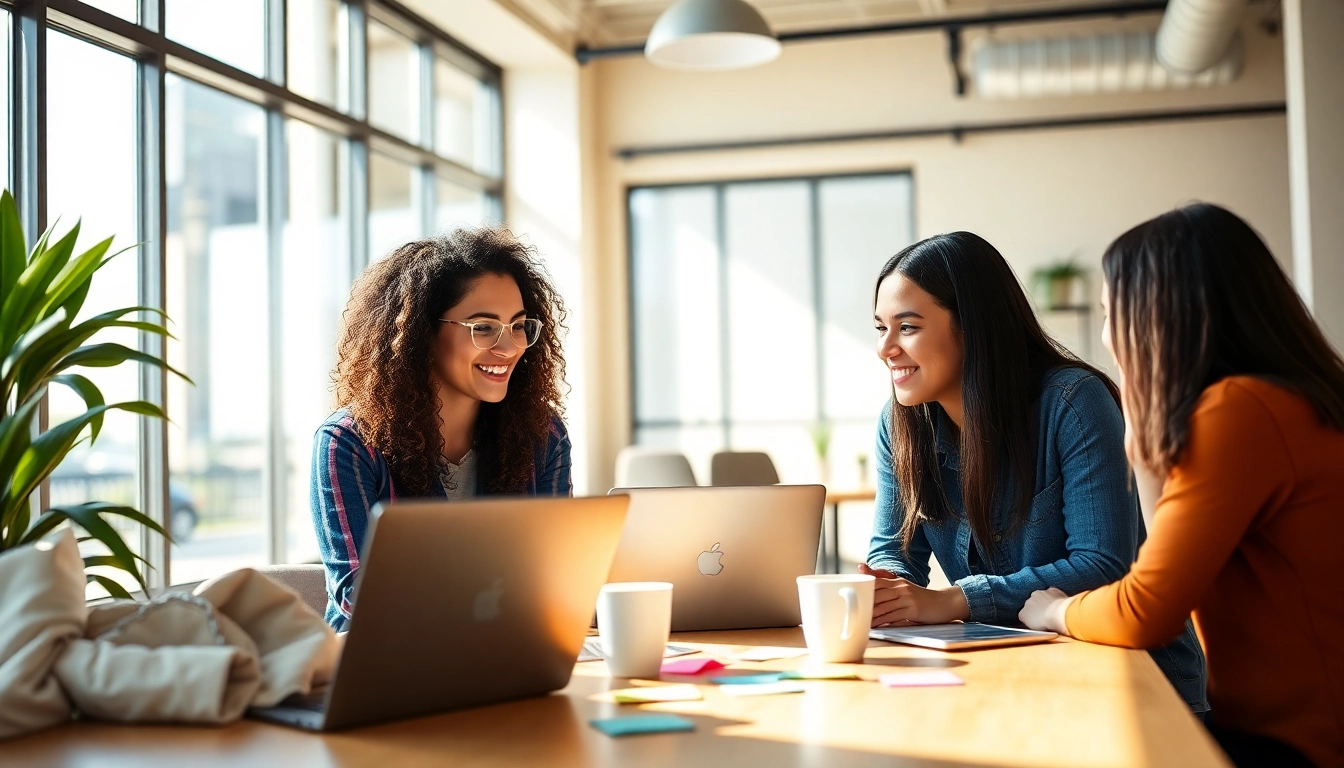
1249,537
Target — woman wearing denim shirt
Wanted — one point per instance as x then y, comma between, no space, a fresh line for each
1009,449
448,386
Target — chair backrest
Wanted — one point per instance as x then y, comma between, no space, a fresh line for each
638,467
309,581
742,468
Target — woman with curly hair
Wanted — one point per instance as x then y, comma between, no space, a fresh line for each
448,380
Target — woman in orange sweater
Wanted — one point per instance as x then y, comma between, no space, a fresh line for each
1234,407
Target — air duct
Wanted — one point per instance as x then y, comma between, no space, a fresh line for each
1195,34
1074,66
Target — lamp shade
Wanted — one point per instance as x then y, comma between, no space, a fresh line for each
710,35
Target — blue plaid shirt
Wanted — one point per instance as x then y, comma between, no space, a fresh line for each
349,477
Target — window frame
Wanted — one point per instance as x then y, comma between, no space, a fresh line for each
156,56
726,422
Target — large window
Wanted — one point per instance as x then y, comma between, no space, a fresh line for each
258,177
752,311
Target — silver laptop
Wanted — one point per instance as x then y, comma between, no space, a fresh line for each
465,603
733,554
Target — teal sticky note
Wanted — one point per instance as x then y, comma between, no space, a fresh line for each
765,677
652,723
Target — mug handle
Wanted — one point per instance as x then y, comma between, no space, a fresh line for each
851,599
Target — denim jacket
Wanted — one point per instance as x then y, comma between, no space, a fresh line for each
1083,530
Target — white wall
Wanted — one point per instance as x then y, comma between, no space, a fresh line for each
1038,195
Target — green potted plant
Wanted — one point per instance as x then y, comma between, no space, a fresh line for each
1054,283
42,291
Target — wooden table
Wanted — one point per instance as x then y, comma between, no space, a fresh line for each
1062,704
830,538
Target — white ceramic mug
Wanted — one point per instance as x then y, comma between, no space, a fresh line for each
837,610
634,620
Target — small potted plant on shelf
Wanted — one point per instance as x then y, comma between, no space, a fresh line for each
42,291
1055,283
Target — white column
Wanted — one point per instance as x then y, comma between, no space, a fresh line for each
1314,60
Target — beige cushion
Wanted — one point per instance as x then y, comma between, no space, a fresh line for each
237,641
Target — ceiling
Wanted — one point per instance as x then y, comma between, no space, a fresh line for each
610,22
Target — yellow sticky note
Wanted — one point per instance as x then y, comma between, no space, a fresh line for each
818,674
657,693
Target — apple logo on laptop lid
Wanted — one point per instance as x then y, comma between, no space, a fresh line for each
486,605
709,561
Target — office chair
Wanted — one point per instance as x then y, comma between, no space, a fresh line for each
639,467
742,468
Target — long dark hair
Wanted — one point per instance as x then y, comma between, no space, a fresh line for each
1005,356
383,364
1196,296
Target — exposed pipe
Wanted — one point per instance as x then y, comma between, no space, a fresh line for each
1195,34
1073,66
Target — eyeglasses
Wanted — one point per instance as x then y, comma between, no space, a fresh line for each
486,334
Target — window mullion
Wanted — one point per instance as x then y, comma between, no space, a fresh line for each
274,472
152,256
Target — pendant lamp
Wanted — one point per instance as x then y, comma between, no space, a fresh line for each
708,35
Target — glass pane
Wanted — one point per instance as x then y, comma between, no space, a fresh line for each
864,221
215,277
674,245
394,204
771,320
317,55
457,206
464,118
315,284
394,82
233,31
126,9
91,175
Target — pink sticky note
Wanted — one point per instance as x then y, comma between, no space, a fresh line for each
690,666
920,679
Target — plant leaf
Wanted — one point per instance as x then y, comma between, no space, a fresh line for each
46,452
109,354
39,364
115,590
89,392
96,526
106,561
23,349
13,245
77,272
23,302
53,517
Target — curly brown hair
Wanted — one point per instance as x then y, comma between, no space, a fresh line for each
383,369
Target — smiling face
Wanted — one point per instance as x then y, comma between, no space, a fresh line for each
459,368
918,344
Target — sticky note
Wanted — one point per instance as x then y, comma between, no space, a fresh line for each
763,689
765,677
654,693
769,653
818,674
690,666
920,679
652,723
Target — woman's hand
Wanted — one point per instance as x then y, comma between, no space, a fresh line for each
1045,610
897,601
